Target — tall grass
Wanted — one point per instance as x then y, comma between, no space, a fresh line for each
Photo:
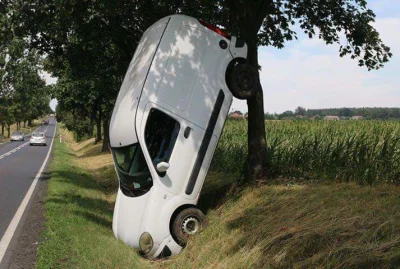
366,152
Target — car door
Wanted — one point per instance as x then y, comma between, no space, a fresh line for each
174,140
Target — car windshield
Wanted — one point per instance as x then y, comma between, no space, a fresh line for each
38,135
17,133
132,169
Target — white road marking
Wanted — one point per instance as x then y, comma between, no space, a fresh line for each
13,150
8,235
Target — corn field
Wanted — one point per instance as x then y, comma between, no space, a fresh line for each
366,152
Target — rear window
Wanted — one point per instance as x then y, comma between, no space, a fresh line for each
17,133
37,135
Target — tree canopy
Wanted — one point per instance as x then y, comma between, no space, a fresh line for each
89,44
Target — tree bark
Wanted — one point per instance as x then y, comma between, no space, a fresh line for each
29,122
105,147
98,126
257,145
2,129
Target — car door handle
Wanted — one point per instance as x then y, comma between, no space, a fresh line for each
186,133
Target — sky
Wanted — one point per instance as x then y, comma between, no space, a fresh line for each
309,73
50,80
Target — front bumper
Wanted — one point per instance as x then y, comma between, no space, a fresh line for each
167,248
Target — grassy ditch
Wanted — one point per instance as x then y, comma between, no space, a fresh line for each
78,212
281,225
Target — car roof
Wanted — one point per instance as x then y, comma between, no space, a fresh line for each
38,133
17,132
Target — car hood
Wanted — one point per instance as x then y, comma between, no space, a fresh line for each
128,218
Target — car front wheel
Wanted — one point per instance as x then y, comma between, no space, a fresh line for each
186,224
242,80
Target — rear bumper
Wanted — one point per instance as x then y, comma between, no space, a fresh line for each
37,142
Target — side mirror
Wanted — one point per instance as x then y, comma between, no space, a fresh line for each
162,167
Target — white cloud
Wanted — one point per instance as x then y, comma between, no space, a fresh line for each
311,74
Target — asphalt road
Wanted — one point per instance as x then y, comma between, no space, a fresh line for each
19,165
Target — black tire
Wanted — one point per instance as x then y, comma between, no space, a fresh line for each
186,224
242,80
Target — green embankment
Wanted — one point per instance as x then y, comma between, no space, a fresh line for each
78,219
281,225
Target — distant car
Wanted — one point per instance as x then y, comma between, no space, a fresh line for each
45,122
38,138
17,136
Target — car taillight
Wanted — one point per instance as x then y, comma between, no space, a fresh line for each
215,29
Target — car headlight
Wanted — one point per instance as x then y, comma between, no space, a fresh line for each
145,243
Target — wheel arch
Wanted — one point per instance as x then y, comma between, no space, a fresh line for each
175,214
232,63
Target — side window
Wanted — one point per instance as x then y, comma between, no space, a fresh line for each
160,135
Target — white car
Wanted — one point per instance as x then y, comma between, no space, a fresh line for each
17,136
165,126
38,138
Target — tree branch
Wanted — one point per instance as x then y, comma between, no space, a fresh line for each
263,8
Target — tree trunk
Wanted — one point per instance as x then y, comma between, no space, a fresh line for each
2,129
257,146
8,130
29,122
249,16
98,126
106,139
24,123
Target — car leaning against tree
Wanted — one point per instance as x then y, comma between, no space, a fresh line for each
178,91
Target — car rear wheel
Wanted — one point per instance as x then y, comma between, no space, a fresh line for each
242,80
186,224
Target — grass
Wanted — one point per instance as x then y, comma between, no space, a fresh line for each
281,225
78,212
300,226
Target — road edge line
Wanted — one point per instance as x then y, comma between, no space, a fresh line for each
9,234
